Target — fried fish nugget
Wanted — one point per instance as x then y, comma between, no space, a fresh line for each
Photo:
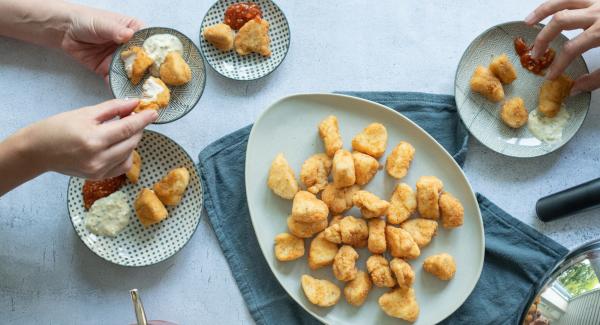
282,180
357,290
307,208
253,37
315,171
288,247
399,160
322,293
405,276
344,263
155,95
321,252
513,113
365,167
502,68
170,189
421,230
484,82
428,195
305,229
441,265
343,171
376,241
451,211
371,141
552,94
133,174
402,204
370,205
400,243
136,63
219,35
338,199
354,231
329,131
174,71
380,272
400,303
149,209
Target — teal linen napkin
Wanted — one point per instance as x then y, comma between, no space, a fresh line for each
517,257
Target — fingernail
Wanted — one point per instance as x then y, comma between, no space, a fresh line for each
125,34
575,92
529,18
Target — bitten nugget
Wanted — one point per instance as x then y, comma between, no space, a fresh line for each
365,167
376,241
288,247
405,276
451,211
253,37
136,63
402,204
421,230
338,199
370,205
174,71
155,95
305,229
399,160
282,180
307,208
357,290
400,303
428,195
315,171
552,94
320,292
371,141
133,174
219,35
321,252
329,131
379,269
149,209
513,113
484,82
400,243
440,265
502,68
170,189
344,263
343,172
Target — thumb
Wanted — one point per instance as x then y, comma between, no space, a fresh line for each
116,107
114,30
587,82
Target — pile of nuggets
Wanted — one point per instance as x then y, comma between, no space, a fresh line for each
384,226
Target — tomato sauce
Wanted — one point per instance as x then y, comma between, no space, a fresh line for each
95,190
538,65
240,13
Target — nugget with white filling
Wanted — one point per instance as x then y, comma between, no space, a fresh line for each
307,208
402,204
400,243
421,230
282,180
441,265
175,71
487,84
365,167
136,63
253,37
219,35
315,171
513,113
155,95
343,171
370,205
329,131
399,160
170,189
357,290
371,141
428,195
380,272
376,241
400,303
344,263
451,211
305,229
502,68
404,274
338,199
552,94
320,292
288,247
321,252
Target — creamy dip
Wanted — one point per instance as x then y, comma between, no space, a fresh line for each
548,129
128,62
158,46
108,215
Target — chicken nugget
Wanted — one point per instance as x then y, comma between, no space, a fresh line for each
354,231
171,188
365,167
338,199
133,174
136,63
329,131
513,113
357,290
335,220
343,171
307,208
322,293
441,265
219,35
484,82
405,276
552,94
370,205
282,180
380,272
402,204
371,141
400,243
451,211
175,71
253,37
315,171
376,241
288,247
421,230
155,95
399,160
149,209
333,233
400,303
502,68
428,195
321,252
305,229
344,263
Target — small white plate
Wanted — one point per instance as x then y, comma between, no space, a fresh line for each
137,245
482,117
290,126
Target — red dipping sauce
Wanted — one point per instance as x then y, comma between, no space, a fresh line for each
240,13
95,190
538,65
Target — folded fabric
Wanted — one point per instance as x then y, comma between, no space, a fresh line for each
517,257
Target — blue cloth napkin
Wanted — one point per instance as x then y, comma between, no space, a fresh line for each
517,258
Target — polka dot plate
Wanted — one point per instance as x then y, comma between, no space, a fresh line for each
137,245
183,98
251,66
482,117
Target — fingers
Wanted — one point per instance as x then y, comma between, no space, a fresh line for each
552,6
571,50
563,20
124,128
136,24
587,82
120,169
116,107
120,151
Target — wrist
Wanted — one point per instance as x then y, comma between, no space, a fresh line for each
24,145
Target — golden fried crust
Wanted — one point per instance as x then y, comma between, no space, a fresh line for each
380,271
282,180
440,265
371,141
141,63
321,252
343,171
451,211
552,94
171,188
502,68
253,37
484,82
174,70
333,233
315,171
307,208
428,195
344,263
404,274
354,231
320,292
149,208
421,230
303,229
376,241
357,290
399,160
144,105
338,200
288,247
365,167
400,243
329,131
133,174
370,205
402,204
400,303
513,113
219,35
161,101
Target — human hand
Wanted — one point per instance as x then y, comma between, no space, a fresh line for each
568,15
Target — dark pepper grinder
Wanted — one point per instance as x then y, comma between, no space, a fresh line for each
570,201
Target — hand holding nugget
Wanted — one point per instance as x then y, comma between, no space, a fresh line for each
155,95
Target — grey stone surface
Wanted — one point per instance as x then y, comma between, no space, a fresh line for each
47,276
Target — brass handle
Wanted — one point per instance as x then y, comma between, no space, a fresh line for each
138,307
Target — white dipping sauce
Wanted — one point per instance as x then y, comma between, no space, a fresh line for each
158,46
151,89
108,215
548,129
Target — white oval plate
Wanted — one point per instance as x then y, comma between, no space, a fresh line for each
482,117
290,126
